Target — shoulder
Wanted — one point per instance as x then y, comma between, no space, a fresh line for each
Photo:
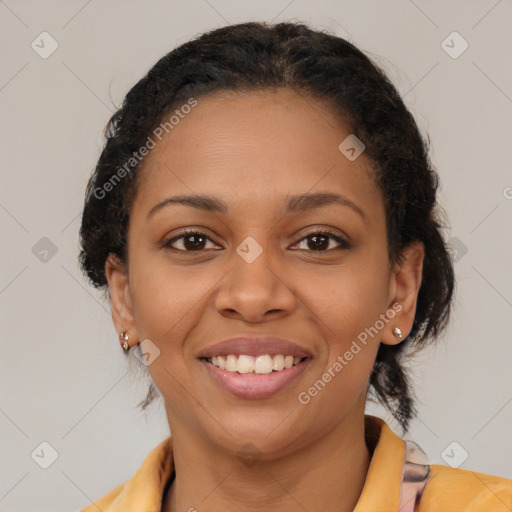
143,491
105,502
461,490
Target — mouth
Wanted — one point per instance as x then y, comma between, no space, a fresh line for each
254,377
259,365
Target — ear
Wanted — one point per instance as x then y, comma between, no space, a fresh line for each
119,288
404,287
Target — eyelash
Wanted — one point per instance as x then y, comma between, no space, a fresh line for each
343,243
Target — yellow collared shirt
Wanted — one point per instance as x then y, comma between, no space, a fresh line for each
447,489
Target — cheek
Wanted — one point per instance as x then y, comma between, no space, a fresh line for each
346,300
342,371
349,306
164,298
166,306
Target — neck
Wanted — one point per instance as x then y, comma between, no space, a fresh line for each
326,475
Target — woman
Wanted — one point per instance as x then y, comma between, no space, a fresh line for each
264,218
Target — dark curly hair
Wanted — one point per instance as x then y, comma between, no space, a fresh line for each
258,56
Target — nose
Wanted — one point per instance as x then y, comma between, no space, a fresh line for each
256,287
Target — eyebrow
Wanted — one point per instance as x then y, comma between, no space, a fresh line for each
293,204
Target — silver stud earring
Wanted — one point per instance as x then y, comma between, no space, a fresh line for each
123,337
397,332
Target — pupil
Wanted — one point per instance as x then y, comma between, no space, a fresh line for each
194,245
317,243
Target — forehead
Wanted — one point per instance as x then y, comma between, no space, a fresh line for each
254,147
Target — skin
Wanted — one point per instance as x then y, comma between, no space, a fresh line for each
251,150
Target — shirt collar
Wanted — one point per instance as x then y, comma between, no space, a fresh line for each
381,489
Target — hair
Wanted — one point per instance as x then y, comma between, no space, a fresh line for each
259,56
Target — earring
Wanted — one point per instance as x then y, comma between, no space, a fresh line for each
123,336
397,332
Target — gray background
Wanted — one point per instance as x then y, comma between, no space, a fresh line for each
64,379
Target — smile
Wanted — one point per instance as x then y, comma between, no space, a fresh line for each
262,364
254,377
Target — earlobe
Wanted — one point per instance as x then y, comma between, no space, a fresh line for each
406,282
119,288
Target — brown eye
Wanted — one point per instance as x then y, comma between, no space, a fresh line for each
320,241
192,241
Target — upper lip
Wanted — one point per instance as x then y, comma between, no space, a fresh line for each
255,346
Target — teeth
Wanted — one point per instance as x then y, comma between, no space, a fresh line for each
263,364
231,363
245,364
278,363
249,364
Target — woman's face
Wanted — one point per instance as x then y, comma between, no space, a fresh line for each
267,158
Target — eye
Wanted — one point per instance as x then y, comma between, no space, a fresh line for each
320,241
195,241
192,241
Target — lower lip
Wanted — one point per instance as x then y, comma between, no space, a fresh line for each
253,385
